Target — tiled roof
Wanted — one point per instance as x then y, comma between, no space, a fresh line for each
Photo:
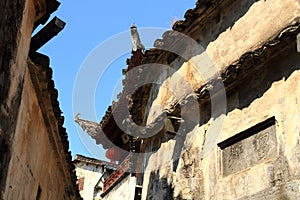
81,158
47,97
152,55
156,55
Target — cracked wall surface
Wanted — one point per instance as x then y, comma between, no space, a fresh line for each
35,162
267,88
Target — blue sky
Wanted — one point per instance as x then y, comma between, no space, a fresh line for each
90,23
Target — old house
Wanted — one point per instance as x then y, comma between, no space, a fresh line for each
222,121
91,174
35,161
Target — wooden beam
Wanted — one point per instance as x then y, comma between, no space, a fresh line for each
46,33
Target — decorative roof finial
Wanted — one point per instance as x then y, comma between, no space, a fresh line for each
135,39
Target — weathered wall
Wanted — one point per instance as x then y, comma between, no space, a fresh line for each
273,176
15,33
34,158
271,89
123,190
261,22
33,165
91,174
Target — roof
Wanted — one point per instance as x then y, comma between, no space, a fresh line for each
202,8
47,95
236,72
152,55
108,124
187,26
81,158
229,73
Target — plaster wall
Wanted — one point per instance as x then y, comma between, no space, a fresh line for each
33,170
259,22
271,90
33,164
123,190
91,174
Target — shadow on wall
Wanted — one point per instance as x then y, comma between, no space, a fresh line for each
221,21
280,66
12,10
246,88
159,188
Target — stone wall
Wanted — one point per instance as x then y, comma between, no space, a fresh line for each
15,38
35,162
246,159
274,173
263,19
33,169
